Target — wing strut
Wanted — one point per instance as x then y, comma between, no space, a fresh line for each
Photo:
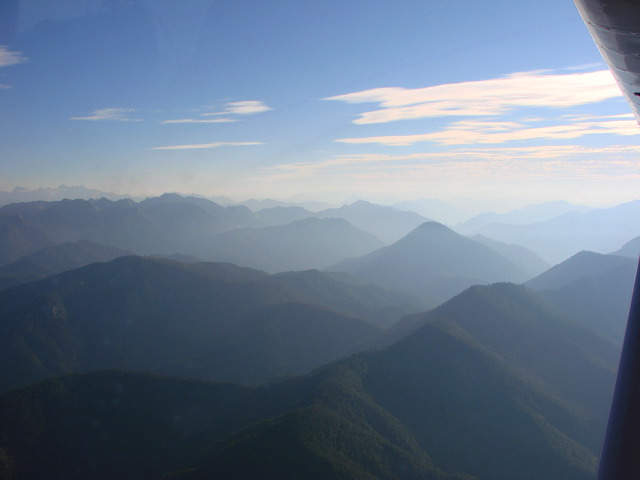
620,459
615,28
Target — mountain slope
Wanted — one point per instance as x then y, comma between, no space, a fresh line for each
344,293
525,259
581,265
530,214
18,237
556,239
212,321
386,223
593,289
494,385
56,259
630,249
432,262
300,245
167,224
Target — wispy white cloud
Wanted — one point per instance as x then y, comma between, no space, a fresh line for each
245,107
9,57
485,98
201,120
110,114
468,132
207,145
461,165
230,109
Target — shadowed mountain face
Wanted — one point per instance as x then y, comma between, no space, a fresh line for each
480,389
433,262
300,245
205,320
630,249
524,258
18,237
593,289
56,259
581,265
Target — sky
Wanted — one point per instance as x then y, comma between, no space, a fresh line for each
497,104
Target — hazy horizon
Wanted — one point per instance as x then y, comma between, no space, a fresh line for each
330,101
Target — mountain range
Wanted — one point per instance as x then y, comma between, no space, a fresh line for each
481,391
593,288
433,262
347,373
56,259
206,320
558,238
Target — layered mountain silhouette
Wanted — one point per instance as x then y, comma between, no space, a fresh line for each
434,263
556,239
386,223
524,258
173,224
206,320
592,288
630,249
524,216
300,245
56,259
167,224
494,385
19,237
281,215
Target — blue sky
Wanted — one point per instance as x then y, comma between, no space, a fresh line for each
498,103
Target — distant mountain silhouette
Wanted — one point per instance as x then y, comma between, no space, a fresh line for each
555,240
300,245
18,194
593,289
19,237
524,258
386,223
207,320
56,259
531,214
166,225
172,224
494,385
280,215
347,295
432,208
229,217
630,249
581,265
432,262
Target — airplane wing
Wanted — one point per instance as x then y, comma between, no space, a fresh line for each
615,27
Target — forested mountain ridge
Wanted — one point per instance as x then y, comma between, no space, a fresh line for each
465,393
206,320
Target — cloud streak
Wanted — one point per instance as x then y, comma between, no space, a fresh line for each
469,132
200,120
245,107
465,160
207,145
9,57
110,114
496,96
241,108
